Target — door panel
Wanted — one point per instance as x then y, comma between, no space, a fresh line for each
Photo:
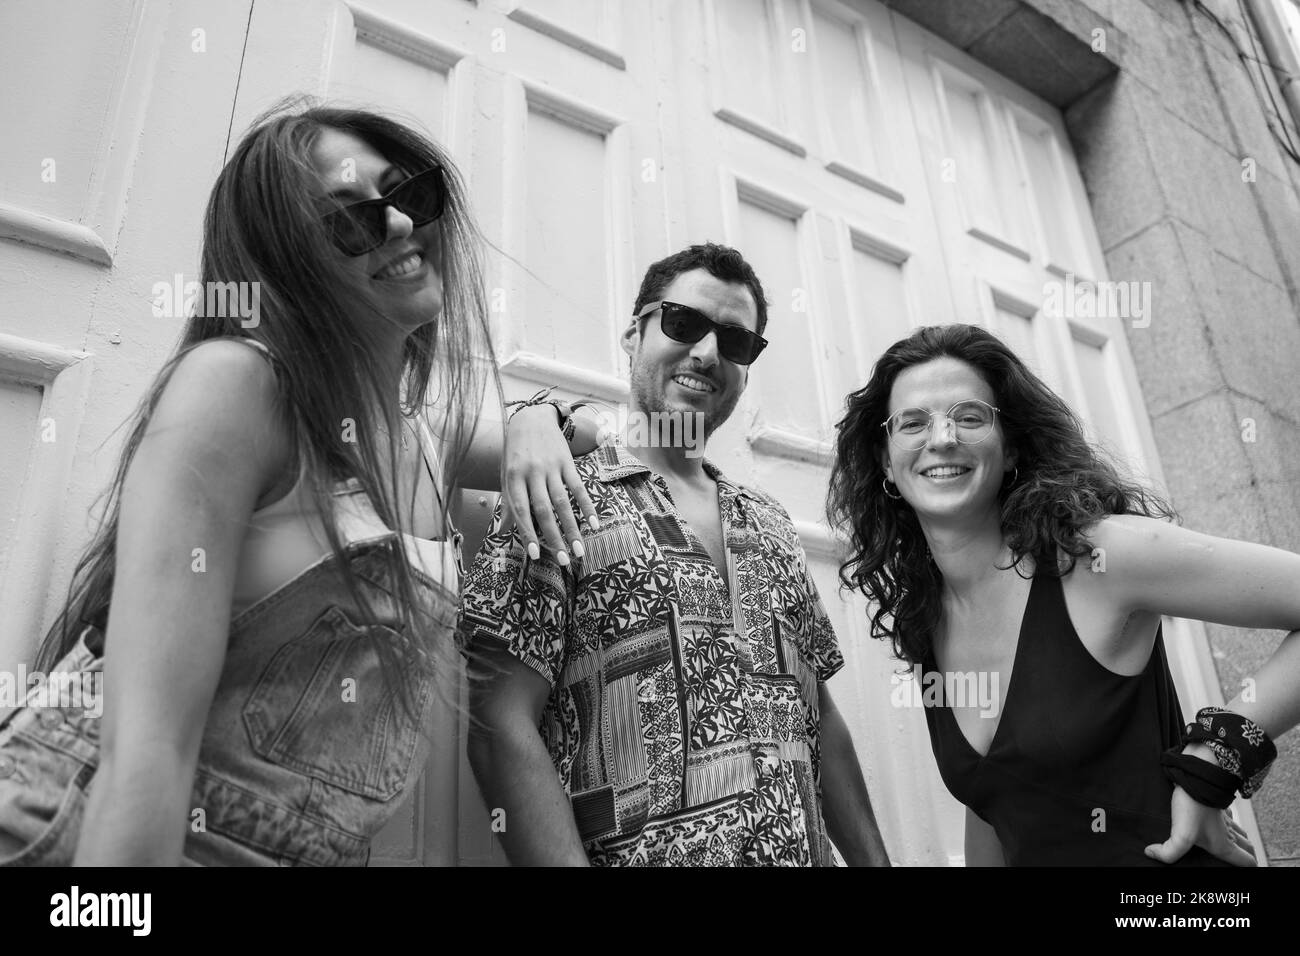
102,187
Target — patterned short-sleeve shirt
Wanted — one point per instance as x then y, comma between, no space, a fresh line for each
683,715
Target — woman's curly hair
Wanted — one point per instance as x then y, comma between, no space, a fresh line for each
1064,484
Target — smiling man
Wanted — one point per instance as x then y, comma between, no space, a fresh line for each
661,699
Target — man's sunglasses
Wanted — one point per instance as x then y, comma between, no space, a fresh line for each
362,226
683,324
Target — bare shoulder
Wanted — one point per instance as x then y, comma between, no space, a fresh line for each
1141,546
1098,578
1132,557
229,387
224,370
1128,531
220,406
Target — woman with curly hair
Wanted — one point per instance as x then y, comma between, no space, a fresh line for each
997,543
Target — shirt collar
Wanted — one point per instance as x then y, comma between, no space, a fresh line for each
614,462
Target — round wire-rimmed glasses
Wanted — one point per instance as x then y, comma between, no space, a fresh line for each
972,421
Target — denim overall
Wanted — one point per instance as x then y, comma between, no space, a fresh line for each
306,753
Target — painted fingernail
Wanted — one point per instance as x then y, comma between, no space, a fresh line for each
593,523
562,558
534,552
578,550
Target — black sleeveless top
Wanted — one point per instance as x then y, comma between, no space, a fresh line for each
1073,739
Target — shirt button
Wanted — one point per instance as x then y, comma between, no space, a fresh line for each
49,719
6,766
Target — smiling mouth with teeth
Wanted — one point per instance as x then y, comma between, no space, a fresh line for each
404,266
945,471
693,383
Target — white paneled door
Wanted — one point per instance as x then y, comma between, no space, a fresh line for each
115,119
877,178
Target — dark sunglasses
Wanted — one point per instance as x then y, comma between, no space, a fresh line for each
683,324
362,226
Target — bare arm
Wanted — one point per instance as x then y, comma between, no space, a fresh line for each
1164,569
512,766
205,458
850,820
982,845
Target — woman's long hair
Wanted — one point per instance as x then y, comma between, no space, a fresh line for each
323,330
1064,484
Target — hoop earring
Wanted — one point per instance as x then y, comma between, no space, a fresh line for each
885,484
1015,476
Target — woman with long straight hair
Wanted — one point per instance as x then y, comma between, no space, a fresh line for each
271,593
996,542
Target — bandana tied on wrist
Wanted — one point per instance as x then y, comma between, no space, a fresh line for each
1240,744
1242,749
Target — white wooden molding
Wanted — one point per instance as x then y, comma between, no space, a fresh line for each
996,242
760,129
545,99
783,443
864,179
878,246
398,38
532,367
48,232
35,363
583,44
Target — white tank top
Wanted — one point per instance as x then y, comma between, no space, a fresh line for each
287,537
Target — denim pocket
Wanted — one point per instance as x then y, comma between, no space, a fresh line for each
42,803
323,708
